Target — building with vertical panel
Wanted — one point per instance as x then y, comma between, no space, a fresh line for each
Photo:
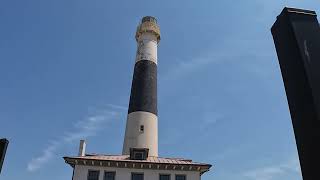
139,159
296,35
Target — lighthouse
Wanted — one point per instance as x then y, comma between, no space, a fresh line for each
139,159
142,121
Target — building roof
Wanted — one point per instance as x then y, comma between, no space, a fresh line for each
150,162
126,158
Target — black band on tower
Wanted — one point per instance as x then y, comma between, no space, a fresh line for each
144,87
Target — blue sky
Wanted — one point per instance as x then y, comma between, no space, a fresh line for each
66,69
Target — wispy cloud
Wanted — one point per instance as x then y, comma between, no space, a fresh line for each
273,171
211,117
181,68
207,121
84,128
47,154
117,107
232,49
89,126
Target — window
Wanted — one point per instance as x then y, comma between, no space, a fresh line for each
181,177
93,175
109,175
139,153
142,128
164,177
137,176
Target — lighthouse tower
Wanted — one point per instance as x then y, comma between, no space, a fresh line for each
139,159
142,121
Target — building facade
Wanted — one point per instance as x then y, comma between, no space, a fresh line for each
139,159
121,167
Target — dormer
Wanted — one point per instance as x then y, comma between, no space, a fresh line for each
139,153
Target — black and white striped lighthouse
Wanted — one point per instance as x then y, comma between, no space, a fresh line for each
139,159
142,120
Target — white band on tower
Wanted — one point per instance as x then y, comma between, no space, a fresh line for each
147,47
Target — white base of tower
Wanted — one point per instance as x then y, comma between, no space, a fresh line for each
136,137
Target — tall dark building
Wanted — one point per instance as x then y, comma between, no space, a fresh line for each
296,35
3,148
